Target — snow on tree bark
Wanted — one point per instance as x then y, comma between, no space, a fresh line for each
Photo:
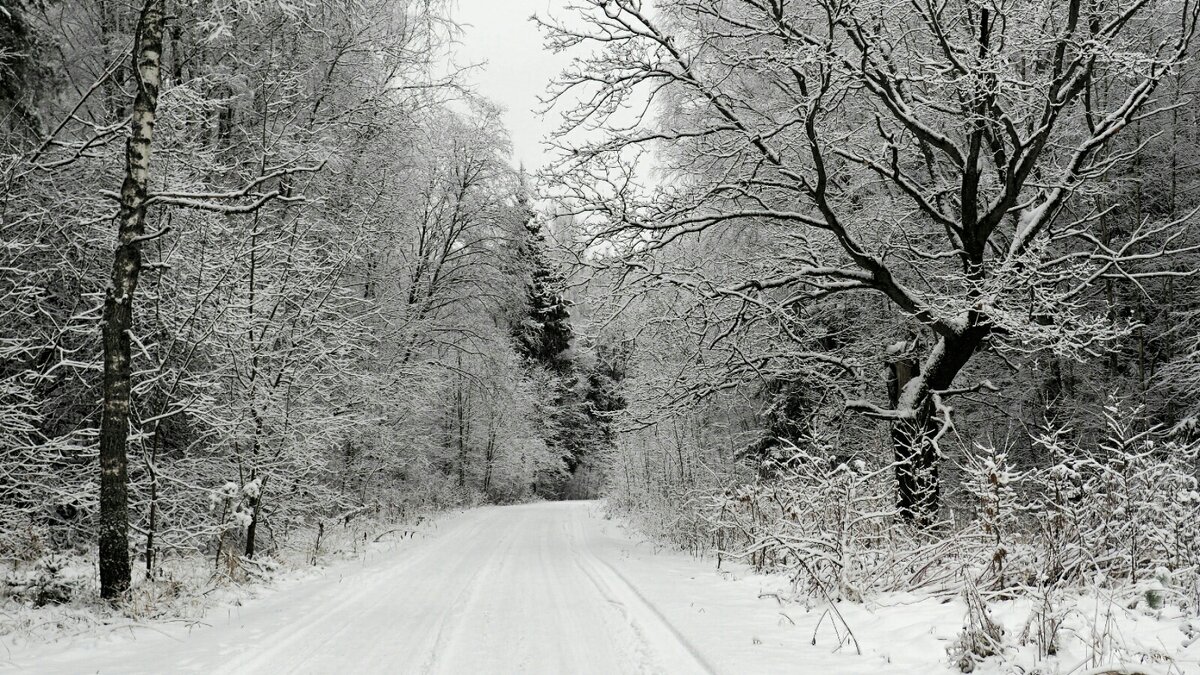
117,322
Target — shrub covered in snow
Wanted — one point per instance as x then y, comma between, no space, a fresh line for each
1112,517
46,583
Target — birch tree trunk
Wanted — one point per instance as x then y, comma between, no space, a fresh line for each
118,306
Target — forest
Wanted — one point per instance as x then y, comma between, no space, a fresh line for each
266,263
883,297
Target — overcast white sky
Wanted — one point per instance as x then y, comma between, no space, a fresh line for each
517,66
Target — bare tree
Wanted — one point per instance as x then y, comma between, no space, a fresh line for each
936,154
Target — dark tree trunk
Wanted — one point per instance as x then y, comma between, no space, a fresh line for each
918,487
152,524
489,456
916,466
255,514
118,307
460,404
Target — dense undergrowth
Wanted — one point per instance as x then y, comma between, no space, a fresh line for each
1110,525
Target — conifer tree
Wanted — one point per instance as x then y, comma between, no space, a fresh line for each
543,334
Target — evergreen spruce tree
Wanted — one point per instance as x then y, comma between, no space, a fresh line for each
582,391
544,333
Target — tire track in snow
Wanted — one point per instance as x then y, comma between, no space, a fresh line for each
534,589
568,590
312,637
449,623
654,631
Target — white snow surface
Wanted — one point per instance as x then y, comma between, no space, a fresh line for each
537,588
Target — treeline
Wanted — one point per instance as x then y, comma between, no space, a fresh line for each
263,264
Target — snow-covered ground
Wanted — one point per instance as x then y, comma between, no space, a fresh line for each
538,588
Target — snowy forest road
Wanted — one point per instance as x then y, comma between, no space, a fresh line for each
536,588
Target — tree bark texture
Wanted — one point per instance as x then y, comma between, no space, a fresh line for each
118,306
912,387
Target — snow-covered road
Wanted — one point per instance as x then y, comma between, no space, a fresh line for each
538,588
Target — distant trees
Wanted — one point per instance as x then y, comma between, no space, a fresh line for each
580,375
947,160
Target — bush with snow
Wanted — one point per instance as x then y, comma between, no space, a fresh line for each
46,583
1109,521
